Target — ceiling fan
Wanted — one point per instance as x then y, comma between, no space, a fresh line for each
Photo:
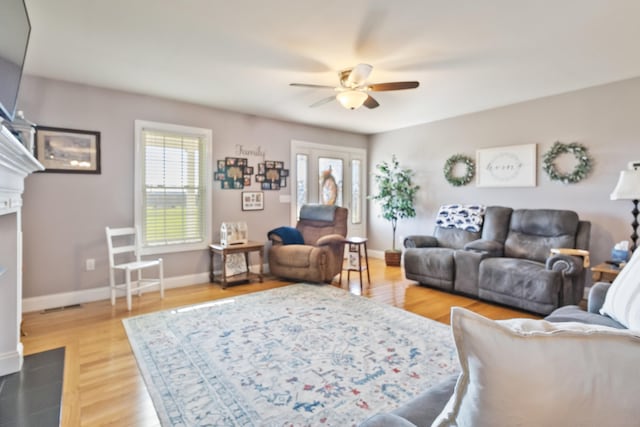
354,89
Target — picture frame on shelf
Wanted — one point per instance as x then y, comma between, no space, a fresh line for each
235,264
252,200
62,150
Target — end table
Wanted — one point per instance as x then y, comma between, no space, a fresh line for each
357,250
245,248
605,272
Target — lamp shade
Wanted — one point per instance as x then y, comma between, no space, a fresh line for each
352,99
628,186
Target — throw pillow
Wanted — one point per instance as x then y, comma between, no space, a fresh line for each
463,217
525,372
288,235
622,302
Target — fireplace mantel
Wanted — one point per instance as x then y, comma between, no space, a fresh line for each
16,163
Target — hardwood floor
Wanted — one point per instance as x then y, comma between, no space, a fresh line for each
102,384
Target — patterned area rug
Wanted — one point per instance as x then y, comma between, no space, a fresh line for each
301,355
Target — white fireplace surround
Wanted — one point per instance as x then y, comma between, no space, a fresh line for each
15,164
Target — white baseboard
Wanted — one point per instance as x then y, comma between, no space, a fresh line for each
375,254
44,302
11,361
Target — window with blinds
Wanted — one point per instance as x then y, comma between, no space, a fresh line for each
172,186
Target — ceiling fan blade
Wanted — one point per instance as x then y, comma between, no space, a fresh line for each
379,87
322,101
370,102
313,86
358,75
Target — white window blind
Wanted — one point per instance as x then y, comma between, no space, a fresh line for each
173,187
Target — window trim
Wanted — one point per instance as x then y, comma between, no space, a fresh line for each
206,134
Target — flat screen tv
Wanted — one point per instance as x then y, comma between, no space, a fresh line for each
15,29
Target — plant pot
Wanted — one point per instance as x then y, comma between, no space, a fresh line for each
392,258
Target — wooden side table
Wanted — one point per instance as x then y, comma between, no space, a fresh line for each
604,272
357,250
224,251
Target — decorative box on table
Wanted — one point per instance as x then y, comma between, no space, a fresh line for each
233,233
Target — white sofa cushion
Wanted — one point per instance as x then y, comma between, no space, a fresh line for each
525,372
622,302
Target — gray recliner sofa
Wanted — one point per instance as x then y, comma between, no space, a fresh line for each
425,408
509,261
432,260
528,275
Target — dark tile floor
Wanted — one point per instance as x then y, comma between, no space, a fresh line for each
32,397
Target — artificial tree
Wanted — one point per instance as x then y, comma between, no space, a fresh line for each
396,195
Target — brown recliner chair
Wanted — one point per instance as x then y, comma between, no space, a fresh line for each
323,229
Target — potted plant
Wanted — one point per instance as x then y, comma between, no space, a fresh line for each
396,195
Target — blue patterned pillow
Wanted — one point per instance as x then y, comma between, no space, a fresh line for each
463,217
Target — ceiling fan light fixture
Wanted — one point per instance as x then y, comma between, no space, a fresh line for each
352,99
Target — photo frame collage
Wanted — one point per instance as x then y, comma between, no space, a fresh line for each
271,175
234,173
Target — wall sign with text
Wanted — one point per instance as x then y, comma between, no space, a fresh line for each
511,166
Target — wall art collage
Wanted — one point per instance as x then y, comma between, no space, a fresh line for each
234,173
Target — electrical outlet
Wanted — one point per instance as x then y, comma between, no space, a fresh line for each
90,264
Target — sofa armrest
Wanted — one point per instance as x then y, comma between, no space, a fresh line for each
568,265
597,294
586,262
491,247
386,420
330,239
418,241
423,409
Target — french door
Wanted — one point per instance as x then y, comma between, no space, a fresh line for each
330,175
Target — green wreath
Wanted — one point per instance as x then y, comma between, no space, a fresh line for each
459,180
581,170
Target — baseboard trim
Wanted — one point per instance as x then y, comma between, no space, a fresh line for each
11,361
63,299
375,254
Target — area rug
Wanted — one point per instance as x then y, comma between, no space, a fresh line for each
301,355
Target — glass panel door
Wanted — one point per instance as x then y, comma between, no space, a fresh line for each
301,178
330,175
356,187
330,181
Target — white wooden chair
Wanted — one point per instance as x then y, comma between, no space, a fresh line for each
125,243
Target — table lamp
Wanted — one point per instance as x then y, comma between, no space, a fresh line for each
628,188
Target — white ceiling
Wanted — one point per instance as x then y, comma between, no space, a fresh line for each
241,55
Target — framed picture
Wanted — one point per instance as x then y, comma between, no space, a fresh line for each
252,200
68,150
512,166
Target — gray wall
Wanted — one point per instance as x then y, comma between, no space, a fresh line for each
65,214
605,119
